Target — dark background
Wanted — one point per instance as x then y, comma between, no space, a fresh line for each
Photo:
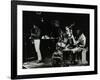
30,18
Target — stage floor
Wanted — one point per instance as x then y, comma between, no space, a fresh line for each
48,63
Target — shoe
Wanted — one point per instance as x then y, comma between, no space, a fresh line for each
85,62
38,61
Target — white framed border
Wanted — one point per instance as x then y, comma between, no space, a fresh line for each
21,8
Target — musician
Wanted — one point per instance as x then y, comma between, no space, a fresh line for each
80,43
35,37
65,43
56,29
70,43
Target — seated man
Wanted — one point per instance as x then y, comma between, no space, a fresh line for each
66,43
81,43
69,40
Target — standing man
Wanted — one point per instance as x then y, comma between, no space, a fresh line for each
56,29
35,36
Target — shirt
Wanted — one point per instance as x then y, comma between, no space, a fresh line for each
81,42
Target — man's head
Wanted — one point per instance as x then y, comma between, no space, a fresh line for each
34,26
78,32
56,23
68,31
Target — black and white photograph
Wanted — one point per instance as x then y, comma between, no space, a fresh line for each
53,39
